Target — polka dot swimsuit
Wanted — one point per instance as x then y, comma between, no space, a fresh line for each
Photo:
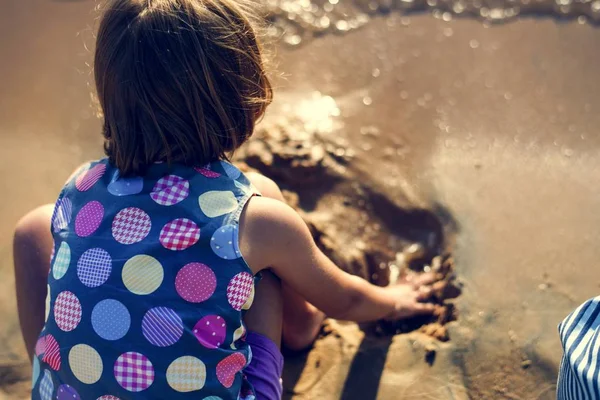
147,287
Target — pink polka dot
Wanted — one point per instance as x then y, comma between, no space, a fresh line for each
89,218
207,172
210,331
88,179
195,282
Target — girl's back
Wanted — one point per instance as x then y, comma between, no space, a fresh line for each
147,286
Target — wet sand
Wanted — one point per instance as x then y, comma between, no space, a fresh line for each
439,132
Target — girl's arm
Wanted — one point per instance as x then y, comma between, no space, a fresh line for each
273,235
32,247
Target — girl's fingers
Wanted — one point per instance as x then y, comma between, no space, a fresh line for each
424,279
414,310
424,293
423,309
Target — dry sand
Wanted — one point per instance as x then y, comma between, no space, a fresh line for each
453,134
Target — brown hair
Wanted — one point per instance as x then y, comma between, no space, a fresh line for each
178,80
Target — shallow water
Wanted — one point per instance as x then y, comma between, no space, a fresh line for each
299,20
497,125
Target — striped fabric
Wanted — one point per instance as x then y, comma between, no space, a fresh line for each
579,376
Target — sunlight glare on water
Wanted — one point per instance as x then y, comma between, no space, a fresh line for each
318,112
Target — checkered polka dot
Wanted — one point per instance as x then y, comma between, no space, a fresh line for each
179,234
46,386
94,267
134,372
239,289
131,225
108,397
170,190
67,311
62,261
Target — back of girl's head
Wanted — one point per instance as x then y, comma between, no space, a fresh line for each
177,80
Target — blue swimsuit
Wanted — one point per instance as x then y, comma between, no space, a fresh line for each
147,287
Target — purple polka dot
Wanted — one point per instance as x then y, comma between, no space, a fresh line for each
162,326
67,392
89,218
210,331
195,282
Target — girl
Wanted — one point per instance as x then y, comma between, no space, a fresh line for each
170,276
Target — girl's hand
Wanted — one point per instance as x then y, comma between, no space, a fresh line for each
410,294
